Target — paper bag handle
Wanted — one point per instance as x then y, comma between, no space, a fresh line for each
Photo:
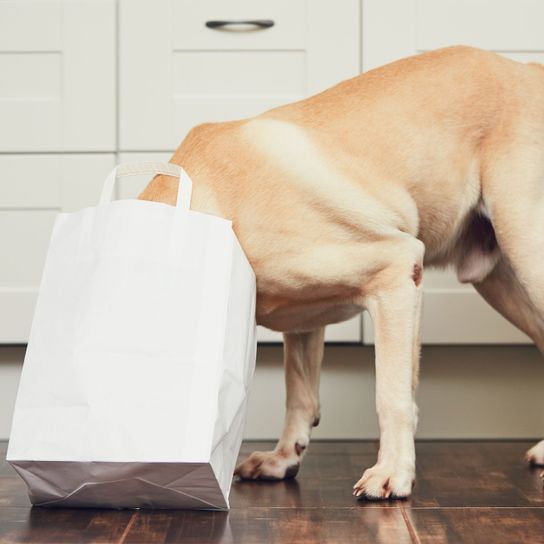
185,187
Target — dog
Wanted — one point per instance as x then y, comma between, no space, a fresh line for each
341,200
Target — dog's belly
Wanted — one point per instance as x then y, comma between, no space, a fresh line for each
306,317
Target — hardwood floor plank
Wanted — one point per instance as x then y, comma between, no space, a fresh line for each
13,491
476,474
275,525
61,525
478,525
301,492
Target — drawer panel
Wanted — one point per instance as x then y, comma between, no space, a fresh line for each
30,25
57,90
233,72
31,76
347,331
176,73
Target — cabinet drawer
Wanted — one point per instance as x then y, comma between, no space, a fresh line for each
57,89
176,73
33,189
347,331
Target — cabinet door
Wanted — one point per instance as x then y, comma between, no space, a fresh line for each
57,83
175,72
392,29
130,187
33,189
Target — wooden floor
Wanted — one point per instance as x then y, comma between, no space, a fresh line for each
465,492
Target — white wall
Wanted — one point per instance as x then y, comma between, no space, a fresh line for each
465,392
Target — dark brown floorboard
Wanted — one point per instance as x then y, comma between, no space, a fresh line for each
474,492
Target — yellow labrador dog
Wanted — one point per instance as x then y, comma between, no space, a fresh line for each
339,202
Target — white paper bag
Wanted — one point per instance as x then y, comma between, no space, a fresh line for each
142,348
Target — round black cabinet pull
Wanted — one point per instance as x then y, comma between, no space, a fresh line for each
261,24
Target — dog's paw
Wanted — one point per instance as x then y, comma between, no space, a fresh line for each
268,465
535,456
379,483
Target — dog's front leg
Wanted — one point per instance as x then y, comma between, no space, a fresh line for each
395,311
303,353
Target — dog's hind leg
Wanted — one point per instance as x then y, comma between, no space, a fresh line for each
303,354
502,290
514,194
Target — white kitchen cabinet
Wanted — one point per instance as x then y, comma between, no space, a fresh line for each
175,72
33,189
131,187
392,29
57,82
